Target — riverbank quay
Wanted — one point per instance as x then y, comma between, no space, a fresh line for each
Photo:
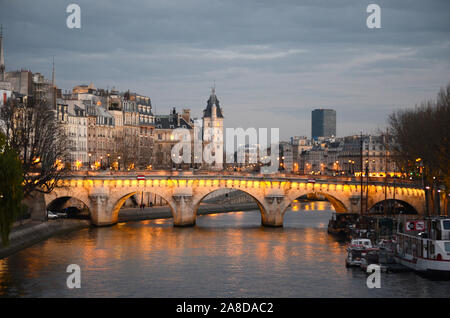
164,212
30,233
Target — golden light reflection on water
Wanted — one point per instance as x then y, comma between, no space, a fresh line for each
239,215
311,206
222,239
231,253
235,244
4,275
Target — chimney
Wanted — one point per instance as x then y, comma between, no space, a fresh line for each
186,115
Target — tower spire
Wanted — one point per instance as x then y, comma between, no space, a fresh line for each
213,89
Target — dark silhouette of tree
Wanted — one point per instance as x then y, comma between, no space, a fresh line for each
32,130
11,190
422,135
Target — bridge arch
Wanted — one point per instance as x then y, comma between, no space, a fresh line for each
59,203
118,203
336,203
201,197
395,204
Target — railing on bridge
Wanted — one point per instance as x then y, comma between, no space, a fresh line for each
159,174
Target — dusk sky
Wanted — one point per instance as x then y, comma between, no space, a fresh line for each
272,61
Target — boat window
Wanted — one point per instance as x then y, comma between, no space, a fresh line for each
447,246
446,225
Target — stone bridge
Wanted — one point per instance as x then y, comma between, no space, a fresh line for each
105,193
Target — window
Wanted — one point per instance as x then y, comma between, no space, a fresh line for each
446,225
447,246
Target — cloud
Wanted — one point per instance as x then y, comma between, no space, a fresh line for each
273,61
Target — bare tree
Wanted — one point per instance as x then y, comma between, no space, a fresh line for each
145,153
129,151
32,130
422,135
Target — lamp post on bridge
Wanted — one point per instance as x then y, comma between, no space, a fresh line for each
361,171
367,185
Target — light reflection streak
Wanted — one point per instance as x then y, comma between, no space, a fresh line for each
156,242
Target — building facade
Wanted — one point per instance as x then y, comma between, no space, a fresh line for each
165,139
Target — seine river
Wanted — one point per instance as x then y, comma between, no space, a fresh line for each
224,255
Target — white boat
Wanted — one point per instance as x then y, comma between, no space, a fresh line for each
355,250
424,245
360,243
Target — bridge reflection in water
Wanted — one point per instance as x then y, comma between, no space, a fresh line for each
311,206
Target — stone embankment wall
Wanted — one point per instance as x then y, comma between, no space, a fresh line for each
229,197
165,212
34,232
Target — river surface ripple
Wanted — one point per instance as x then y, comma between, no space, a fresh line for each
224,255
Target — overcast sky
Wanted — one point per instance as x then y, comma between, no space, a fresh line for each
272,61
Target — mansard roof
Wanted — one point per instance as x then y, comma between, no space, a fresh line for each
172,121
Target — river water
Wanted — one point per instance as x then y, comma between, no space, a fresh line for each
224,255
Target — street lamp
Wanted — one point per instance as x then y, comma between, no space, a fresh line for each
422,168
101,162
108,161
118,162
90,160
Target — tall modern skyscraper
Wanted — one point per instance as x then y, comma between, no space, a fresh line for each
323,123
